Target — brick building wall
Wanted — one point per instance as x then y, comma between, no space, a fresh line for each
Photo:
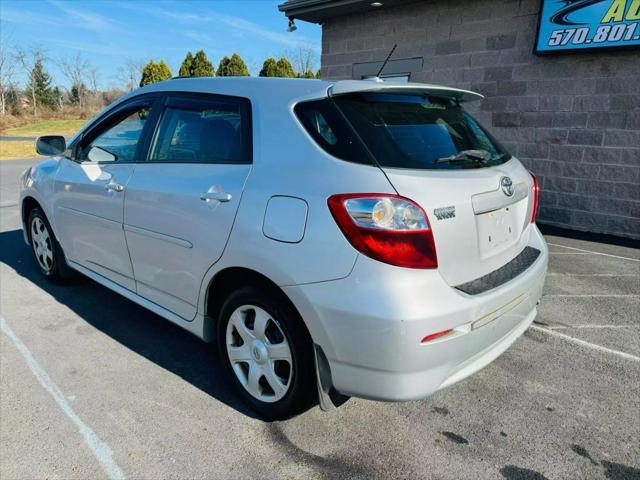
572,119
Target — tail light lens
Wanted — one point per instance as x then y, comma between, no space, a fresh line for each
536,195
388,228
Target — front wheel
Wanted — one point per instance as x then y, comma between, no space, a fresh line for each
267,353
46,249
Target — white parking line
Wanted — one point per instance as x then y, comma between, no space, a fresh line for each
591,295
582,343
568,253
100,450
582,250
558,274
563,327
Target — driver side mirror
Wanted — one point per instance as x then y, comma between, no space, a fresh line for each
50,145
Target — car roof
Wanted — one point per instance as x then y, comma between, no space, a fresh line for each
286,89
252,87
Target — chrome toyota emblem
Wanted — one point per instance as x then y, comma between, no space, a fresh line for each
507,186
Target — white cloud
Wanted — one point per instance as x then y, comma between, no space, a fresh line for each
239,24
89,47
198,36
25,17
83,19
290,40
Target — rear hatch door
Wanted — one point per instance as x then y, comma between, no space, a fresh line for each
477,197
480,217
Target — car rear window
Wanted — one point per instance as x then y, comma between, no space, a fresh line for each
420,132
400,131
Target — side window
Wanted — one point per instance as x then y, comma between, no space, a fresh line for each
329,130
119,141
201,131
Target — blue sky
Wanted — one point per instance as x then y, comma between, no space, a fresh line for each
108,33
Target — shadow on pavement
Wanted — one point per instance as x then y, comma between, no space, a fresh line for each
135,327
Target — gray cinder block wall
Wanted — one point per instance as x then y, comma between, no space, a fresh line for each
572,119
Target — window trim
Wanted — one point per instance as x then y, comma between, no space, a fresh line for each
170,99
108,120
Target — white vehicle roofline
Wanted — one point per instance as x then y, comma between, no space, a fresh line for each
307,88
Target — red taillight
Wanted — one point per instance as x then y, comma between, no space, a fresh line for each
388,228
536,194
433,336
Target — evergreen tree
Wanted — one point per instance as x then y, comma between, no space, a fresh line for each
40,85
164,71
233,67
269,68
155,72
76,93
285,69
308,74
282,68
186,69
201,66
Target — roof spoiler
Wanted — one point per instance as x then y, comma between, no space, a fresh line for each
344,87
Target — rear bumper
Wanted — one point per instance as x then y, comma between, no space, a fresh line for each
371,323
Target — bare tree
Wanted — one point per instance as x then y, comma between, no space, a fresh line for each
130,73
93,80
254,65
28,59
76,68
303,59
7,71
60,99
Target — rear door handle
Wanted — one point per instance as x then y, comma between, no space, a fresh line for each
115,187
219,196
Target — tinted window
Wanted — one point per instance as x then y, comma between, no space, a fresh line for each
420,132
330,131
120,138
206,132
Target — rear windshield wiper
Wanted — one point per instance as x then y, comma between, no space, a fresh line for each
466,155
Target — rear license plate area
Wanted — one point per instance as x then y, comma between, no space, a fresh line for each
497,230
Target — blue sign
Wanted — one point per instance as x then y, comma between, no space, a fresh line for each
588,24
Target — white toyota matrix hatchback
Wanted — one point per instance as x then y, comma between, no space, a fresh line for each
349,238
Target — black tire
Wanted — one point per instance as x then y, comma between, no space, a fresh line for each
56,268
302,390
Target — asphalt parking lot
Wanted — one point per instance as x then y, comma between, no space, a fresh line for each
92,386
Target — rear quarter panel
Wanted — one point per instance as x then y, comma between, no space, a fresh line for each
288,163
